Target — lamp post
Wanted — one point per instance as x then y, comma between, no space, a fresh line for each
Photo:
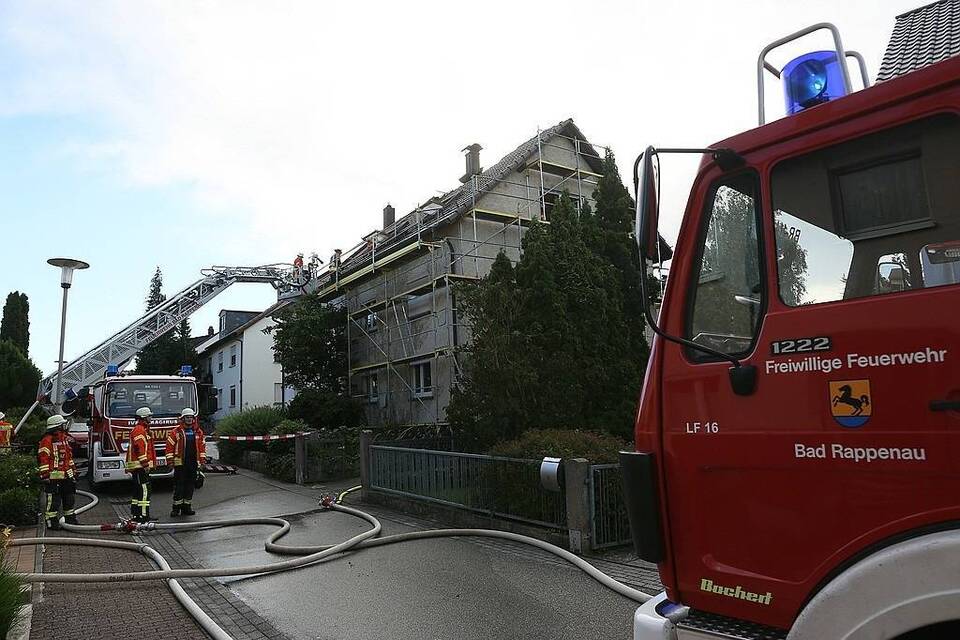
67,267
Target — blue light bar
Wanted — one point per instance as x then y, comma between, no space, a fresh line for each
186,370
70,394
113,370
812,79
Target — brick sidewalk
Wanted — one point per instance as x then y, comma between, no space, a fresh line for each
144,610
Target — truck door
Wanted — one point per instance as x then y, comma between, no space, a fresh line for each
847,304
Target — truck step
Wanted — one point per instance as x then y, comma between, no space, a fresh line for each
700,625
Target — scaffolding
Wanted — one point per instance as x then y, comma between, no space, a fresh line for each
396,284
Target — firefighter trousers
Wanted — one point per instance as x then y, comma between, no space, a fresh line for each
142,489
184,482
59,493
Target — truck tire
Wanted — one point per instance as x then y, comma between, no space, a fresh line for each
939,631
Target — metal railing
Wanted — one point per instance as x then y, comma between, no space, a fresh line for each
502,487
608,513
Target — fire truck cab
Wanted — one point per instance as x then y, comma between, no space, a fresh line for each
797,463
113,405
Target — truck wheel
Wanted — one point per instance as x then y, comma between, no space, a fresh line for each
939,631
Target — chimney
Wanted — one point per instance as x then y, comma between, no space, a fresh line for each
473,162
389,215
210,331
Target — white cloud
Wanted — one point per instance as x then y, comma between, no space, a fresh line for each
297,121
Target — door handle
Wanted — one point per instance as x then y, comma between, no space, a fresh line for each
945,405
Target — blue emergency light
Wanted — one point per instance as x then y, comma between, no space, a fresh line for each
113,370
70,394
186,370
812,79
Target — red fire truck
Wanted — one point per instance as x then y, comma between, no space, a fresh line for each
797,463
111,405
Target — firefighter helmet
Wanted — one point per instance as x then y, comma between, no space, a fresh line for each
2,415
54,422
144,412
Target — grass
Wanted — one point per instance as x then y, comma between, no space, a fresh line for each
11,599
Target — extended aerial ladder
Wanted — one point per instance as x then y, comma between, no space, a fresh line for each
123,346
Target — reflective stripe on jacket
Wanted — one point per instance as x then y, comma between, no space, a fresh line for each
6,431
54,457
176,440
140,452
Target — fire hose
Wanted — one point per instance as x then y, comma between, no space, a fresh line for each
307,555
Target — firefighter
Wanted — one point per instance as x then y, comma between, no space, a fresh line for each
141,459
57,473
186,451
6,434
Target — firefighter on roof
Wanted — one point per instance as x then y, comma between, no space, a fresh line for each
57,473
141,459
186,451
6,434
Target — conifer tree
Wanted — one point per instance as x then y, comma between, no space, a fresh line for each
15,325
162,356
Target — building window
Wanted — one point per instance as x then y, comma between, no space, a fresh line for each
370,322
223,322
233,355
371,387
422,379
233,396
418,306
219,361
277,393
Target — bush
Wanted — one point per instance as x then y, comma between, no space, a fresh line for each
252,422
32,430
18,472
19,506
11,599
281,447
535,444
323,410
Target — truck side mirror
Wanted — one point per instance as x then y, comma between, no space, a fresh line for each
211,405
648,207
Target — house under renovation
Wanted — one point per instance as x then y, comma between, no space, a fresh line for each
404,329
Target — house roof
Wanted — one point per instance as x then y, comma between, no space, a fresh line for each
237,333
447,207
921,37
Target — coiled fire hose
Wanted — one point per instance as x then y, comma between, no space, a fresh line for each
307,555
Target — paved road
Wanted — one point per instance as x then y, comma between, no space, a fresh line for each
454,588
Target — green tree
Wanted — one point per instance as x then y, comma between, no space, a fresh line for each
162,356
551,346
310,342
19,377
15,325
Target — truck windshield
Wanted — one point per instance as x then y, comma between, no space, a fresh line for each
165,399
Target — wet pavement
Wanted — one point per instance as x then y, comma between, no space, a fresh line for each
444,588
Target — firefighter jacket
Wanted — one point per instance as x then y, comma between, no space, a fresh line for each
55,457
6,433
140,452
177,440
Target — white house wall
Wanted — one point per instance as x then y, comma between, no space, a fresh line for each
260,372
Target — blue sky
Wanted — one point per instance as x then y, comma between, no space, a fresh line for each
181,134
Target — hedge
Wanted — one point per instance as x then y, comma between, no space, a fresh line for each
535,444
19,490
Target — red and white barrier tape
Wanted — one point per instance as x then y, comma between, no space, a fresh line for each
284,436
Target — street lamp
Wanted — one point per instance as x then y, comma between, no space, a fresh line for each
67,267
